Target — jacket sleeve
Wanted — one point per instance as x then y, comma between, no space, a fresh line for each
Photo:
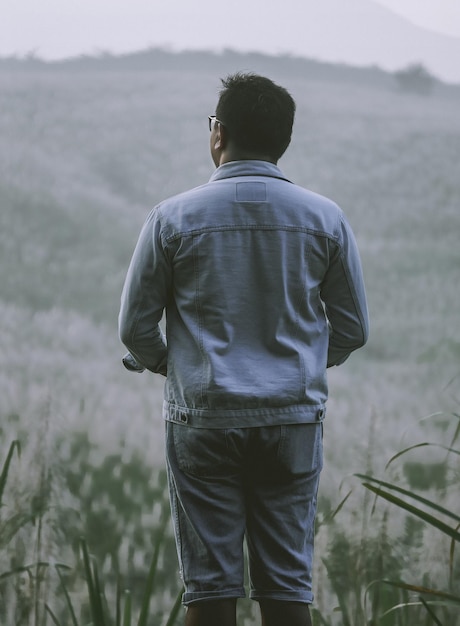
144,297
344,297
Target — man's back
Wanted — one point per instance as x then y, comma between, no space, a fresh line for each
251,255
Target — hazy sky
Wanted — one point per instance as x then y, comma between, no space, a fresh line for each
442,16
62,28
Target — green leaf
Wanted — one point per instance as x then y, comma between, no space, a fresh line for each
175,610
28,568
143,617
341,597
118,602
52,615
451,557
405,605
340,506
15,445
67,596
457,431
425,590
318,618
127,609
451,532
92,581
409,494
430,612
11,526
421,445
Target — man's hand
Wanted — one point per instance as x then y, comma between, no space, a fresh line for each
131,364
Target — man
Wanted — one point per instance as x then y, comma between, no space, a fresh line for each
262,286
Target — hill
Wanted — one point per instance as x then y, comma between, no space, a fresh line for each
357,32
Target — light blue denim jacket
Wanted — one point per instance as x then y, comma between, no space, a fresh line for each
262,286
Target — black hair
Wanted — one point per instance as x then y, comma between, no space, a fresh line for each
258,113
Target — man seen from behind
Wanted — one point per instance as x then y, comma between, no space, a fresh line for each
262,287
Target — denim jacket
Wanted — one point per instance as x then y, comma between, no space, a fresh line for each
262,287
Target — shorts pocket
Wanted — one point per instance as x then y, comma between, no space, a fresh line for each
199,451
301,448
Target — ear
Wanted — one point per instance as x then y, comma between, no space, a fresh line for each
221,137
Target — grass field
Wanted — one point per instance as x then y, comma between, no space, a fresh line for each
87,150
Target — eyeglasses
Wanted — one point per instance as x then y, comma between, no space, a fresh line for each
212,120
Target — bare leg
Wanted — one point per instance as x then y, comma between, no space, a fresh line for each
212,613
279,613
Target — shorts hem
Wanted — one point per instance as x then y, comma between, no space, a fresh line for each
190,597
300,595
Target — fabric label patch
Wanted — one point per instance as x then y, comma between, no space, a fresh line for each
251,192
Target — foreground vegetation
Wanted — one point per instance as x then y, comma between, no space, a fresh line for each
35,586
383,578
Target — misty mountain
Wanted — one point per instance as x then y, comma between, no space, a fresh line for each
362,32
356,32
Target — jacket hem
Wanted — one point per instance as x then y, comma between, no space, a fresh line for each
244,418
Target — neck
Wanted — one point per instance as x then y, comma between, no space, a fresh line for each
240,155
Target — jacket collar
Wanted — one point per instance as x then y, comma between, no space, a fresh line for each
247,168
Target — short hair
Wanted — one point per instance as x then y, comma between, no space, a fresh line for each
258,113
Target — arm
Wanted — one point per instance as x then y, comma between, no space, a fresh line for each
344,298
144,298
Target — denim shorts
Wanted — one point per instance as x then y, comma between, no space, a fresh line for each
260,483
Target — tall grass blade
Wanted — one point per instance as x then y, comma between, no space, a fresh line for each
451,532
87,568
409,494
421,445
101,601
118,602
144,614
56,622
337,510
175,610
11,526
127,609
457,431
341,597
318,618
15,445
28,568
407,605
424,590
16,570
67,597
430,612
451,558
92,581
